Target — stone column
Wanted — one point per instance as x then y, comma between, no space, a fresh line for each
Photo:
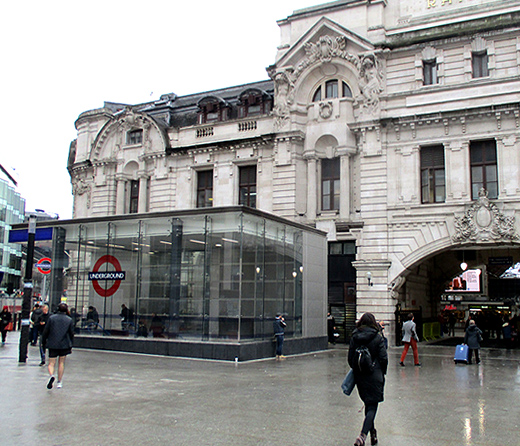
344,191
312,188
120,195
143,194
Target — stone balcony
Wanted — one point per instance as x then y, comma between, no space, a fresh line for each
219,132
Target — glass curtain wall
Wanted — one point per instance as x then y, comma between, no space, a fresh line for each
220,276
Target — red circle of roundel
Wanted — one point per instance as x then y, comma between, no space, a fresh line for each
43,264
117,283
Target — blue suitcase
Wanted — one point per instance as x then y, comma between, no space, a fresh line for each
461,354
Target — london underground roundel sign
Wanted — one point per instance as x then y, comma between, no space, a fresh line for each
96,276
44,265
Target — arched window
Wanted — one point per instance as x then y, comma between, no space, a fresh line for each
331,89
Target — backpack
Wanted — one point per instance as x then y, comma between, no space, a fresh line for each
364,362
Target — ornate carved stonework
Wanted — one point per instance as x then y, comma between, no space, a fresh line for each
79,187
326,49
371,86
326,109
484,222
284,94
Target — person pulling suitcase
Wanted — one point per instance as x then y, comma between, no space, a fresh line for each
472,339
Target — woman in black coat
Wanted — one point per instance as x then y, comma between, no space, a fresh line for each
370,385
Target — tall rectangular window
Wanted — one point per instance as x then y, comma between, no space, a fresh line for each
484,174
133,207
247,186
330,182
480,64
205,189
430,72
433,178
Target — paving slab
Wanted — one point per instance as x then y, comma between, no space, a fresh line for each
128,399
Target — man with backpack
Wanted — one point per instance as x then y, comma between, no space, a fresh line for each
368,358
410,338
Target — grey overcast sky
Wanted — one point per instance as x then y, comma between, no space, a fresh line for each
63,57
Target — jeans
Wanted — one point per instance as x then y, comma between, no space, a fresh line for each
279,344
42,350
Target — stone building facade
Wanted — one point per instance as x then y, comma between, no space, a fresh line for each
392,125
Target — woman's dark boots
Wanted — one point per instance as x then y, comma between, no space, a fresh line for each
373,437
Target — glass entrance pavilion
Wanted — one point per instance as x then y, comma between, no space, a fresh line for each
179,282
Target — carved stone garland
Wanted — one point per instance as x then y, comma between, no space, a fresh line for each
484,222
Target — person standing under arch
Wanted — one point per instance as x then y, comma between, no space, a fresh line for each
410,339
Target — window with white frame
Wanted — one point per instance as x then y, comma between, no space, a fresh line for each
332,89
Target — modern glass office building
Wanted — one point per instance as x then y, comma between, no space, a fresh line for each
206,277
12,209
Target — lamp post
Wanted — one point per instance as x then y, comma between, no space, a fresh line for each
27,291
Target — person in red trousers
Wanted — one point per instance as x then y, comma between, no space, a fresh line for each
410,338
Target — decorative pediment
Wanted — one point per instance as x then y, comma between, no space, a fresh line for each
323,42
483,222
327,42
114,132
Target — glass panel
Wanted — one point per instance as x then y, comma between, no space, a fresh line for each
331,89
317,95
440,194
491,173
477,174
347,92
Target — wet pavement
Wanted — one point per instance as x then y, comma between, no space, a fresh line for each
128,399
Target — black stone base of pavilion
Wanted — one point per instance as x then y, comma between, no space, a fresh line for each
225,351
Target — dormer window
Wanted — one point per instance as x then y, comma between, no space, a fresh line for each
254,103
212,109
332,89
134,137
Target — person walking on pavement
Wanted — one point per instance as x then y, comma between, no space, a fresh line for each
5,319
410,339
279,332
40,325
472,340
370,382
57,337
33,329
331,328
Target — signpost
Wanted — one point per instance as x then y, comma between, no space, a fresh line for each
27,291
